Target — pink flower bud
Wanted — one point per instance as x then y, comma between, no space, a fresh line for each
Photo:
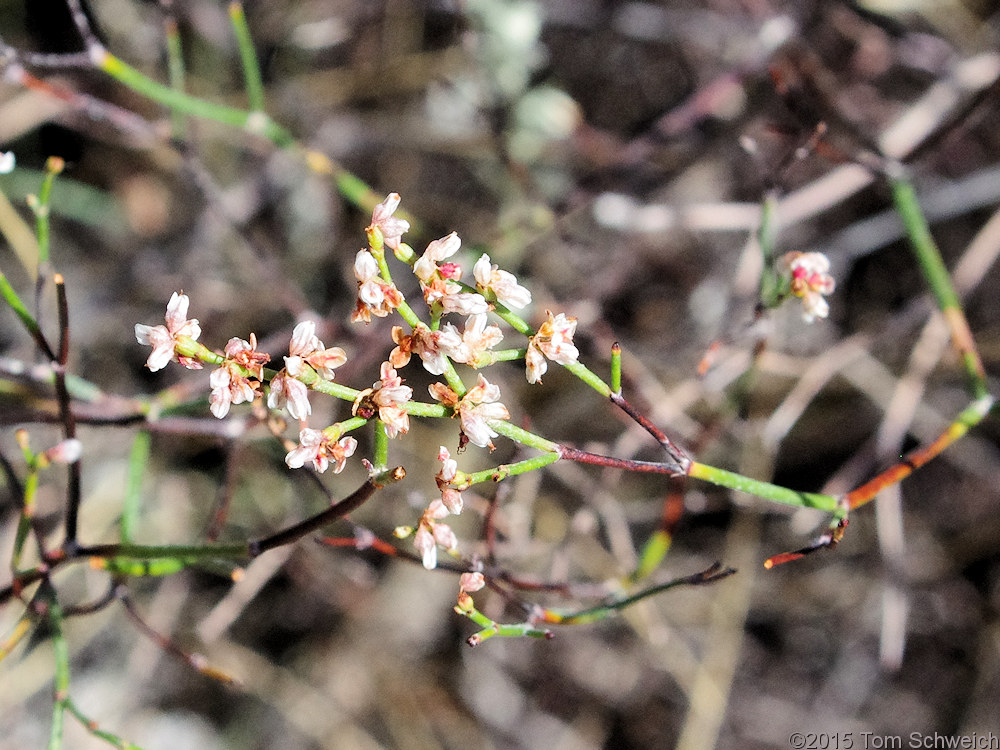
66,452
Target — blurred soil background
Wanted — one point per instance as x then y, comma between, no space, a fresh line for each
614,156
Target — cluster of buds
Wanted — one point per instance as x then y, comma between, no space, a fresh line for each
431,532
238,378
809,280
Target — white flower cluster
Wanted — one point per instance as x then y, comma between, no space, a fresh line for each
241,376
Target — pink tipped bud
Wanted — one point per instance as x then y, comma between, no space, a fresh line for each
66,452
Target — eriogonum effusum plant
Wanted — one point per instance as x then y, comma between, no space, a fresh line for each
441,340
465,319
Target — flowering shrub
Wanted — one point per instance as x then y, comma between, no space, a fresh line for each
462,318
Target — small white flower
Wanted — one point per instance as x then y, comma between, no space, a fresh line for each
450,497
288,392
478,337
314,446
392,228
554,340
163,339
431,534
375,295
439,280
305,347
477,408
423,540
7,162
464,303
503,284
390,396
229,384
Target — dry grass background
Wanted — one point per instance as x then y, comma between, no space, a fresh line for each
602,161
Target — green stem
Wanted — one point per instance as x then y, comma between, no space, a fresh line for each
248,57
491,628
653,552
764,490
454,381
407,314
771,282
487,358
601,611
329,387
404,309
590,378
767,232
340,429
616,368
380,451
513,320
936,273
60,650
905,198
41,207
503,471
112,739
27,319
520,435
254,122
137,461
175,72
27,514
421,409
237,550
578,369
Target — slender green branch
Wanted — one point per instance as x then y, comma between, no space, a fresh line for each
520,435
616,368
765,490
191,552
40,206
24,493
26,318
138,459
770,279
21,629
590,378
60,649
653,553
503,471
19,236
348,425
515,321
601,611
253,122
248,57
176,73
102,734
491,628
934,270
491,357
380,450
421,409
